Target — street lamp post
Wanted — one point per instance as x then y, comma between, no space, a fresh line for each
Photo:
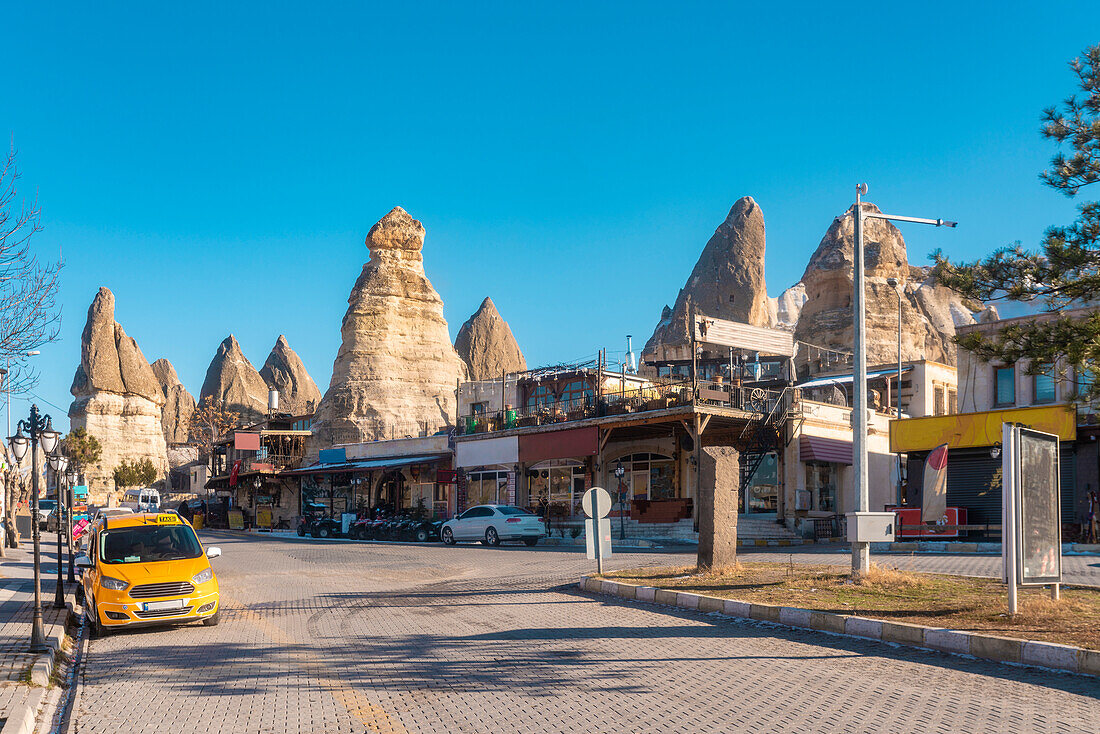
893,283
40,428
861,551
70,482
619,471
59,464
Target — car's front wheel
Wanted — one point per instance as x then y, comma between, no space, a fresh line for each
96,629
448,536
491,537
212,620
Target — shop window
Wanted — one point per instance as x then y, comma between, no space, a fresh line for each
646,476
487,488
561,483
1044,385
479,408
821,481
1004,379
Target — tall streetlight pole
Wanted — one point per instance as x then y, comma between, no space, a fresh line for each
893,283
861,551
70,481
40,428
59,464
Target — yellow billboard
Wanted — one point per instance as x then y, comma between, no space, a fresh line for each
971,430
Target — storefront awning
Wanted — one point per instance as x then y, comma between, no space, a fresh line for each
847,379
828,450
363,465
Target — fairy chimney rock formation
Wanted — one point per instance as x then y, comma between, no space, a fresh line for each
396,372
486,344
929,313
727,283
178,403
285,372
231,379
117,398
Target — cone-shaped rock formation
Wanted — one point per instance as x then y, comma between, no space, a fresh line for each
232,379
396,371
929,313
117,398
285,372
727,283
486,344
178,403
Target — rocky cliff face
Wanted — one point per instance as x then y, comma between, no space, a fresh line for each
285,372
486,344
178,403
929,313
232,378
727,283
117,398
396,372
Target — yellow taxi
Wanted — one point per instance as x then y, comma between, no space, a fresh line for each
147,568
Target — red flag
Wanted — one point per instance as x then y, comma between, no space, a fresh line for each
233,473
934,496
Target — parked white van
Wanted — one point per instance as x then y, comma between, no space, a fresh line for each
145,499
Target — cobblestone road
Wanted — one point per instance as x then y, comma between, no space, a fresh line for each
388,638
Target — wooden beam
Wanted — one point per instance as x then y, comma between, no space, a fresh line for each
603,439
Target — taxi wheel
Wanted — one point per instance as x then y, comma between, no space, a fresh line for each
96,630
212,621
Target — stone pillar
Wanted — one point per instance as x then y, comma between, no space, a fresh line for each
719,477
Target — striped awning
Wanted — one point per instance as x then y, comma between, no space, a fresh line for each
828,450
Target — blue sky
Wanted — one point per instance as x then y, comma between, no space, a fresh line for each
218,165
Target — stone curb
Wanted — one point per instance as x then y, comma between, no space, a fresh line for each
22,717
954,642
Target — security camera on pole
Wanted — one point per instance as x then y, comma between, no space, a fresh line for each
865,527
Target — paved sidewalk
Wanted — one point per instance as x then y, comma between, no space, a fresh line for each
16,614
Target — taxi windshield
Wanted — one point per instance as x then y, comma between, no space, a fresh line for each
144,544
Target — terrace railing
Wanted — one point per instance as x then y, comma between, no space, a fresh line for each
653,397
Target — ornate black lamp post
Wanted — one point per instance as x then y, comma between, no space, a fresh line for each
59,464
619,472
40,428
70,482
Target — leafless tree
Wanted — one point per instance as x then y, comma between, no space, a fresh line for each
210,421
30,315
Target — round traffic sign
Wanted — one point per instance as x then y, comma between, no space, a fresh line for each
602,499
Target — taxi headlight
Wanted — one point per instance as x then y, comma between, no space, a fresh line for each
113,584
202,576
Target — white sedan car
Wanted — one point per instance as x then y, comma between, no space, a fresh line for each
493,523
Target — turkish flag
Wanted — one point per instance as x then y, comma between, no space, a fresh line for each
233,473
934,496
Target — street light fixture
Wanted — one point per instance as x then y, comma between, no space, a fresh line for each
40,428
619,472
59,464
861,551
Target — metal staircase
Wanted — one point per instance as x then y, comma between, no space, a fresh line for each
768,430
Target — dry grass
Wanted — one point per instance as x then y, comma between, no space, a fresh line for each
888,593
